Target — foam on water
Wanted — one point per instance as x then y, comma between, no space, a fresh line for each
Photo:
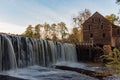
42,73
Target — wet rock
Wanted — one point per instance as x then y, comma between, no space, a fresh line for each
113,77
98,72
5,77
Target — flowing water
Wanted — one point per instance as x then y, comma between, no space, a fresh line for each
18,52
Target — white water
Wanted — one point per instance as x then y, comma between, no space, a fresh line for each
41,73
7,54
11,53
21,52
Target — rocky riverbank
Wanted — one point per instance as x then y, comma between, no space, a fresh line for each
95,71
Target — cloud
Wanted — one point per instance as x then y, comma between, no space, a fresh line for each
23,12
11,28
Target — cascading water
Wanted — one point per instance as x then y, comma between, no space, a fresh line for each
16,51
7,54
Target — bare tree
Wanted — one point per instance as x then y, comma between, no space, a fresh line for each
79,20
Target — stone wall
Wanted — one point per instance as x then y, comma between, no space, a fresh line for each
98,29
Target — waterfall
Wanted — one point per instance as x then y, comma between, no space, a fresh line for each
7,54
16,51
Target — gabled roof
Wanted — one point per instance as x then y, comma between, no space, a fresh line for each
97,14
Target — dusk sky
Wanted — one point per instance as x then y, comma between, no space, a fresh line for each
16,15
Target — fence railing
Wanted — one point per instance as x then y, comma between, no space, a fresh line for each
86,43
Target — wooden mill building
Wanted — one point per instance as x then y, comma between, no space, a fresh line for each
100,31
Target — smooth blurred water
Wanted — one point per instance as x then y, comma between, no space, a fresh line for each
16,51
41,73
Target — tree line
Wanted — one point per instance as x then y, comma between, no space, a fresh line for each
55,31
59,31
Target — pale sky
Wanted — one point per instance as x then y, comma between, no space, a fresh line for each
16,15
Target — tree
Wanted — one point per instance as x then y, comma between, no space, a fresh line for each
74,36
37,31
79,20
62,29
112,18
54,32
46,30
117,1
29,31
82,17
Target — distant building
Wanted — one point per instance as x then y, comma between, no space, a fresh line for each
99,30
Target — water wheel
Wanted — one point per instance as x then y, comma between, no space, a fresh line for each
97,53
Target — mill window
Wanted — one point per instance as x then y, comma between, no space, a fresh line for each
93,20
118,31
99,20
89,27
102,26
104,35
91,35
